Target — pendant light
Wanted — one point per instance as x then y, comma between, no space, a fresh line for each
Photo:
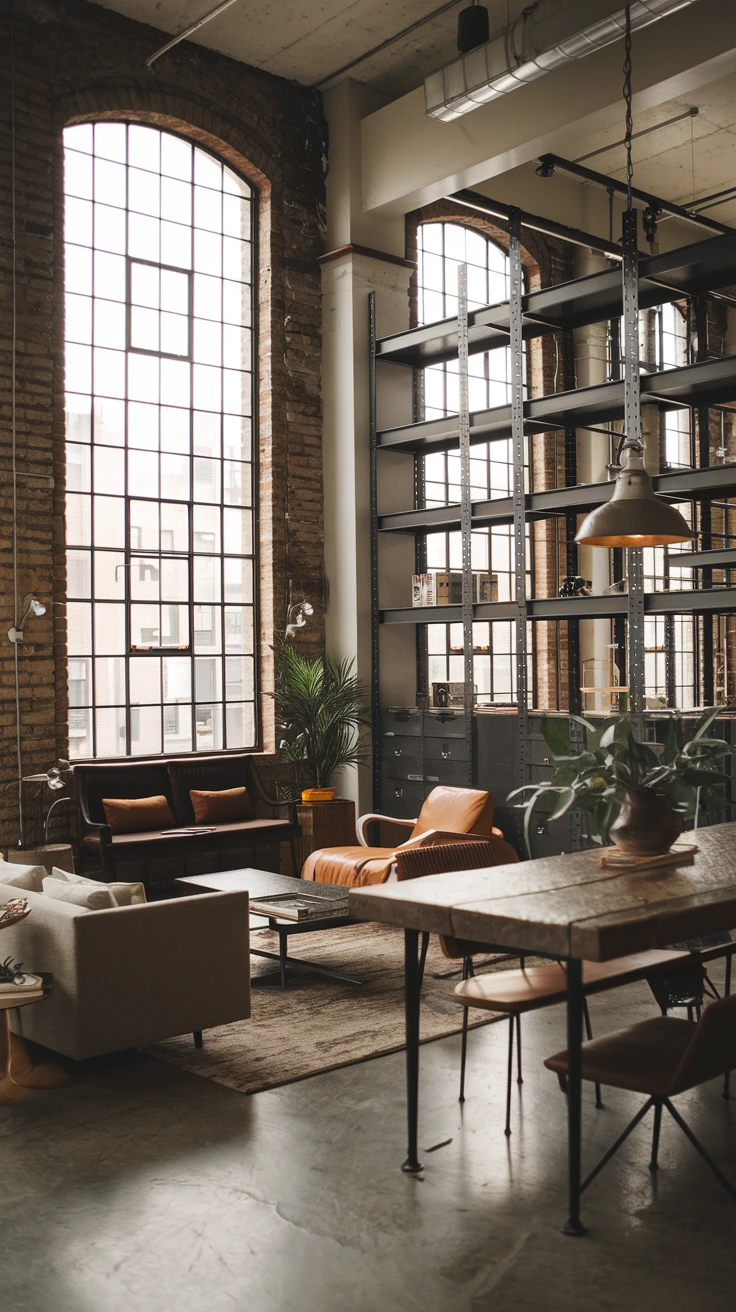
634,516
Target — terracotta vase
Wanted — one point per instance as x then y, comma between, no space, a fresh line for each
646,824
312,795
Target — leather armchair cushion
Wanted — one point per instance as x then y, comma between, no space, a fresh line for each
354,867
458,810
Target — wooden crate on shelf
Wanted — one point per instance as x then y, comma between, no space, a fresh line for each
324,824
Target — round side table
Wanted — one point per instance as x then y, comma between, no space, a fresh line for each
19,1078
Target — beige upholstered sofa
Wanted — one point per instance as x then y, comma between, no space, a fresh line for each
131,975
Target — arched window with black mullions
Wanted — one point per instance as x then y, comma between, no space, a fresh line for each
161,570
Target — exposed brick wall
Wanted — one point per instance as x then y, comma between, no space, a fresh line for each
74,62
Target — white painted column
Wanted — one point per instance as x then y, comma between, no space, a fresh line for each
362,255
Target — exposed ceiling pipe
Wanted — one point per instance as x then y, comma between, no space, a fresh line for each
540,40
220,9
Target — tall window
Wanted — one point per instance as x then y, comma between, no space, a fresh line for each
443,247
159,382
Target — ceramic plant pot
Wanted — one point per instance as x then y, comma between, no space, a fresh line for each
646,824
312,795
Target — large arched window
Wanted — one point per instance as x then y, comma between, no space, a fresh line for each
159,382
442,248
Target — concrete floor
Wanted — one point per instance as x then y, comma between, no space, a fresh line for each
144,1189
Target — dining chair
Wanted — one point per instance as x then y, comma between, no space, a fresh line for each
513,992
661,1058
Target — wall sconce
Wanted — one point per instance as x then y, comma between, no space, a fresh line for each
34,607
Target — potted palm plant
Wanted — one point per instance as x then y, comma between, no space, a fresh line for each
320,710
637,795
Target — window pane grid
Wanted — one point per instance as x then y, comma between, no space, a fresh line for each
442,248
160,476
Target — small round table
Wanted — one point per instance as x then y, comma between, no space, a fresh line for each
19,1078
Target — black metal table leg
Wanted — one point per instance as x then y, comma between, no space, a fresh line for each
726,994
411,1003
573,1224
283,955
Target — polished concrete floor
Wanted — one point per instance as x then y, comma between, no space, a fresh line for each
143,1189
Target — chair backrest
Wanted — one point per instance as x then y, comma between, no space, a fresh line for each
206,774
458,810
123,779
413,863
712,1049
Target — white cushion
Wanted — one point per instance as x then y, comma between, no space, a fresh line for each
28,877
95,897
123,894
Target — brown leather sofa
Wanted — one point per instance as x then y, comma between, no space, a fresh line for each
448,815
173,780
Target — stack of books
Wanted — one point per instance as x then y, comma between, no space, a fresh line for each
24,988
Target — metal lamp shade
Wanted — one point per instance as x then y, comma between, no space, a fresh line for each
634,517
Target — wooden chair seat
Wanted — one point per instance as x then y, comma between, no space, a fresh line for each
543,986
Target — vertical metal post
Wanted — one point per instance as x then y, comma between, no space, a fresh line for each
632,418
466,510
707,688
375,638
516,290
420,545
575,1001
411,1010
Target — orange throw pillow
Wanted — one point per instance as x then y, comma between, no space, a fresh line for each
137,815
222,808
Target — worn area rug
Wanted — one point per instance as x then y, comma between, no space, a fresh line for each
318,1024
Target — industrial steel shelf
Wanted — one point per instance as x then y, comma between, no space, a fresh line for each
691,602
706,383
704,266
685,483
707,267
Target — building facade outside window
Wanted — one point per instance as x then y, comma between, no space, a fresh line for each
160,528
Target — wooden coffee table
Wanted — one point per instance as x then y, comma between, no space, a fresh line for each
264,883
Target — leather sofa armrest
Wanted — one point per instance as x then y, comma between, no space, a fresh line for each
103,832
271,802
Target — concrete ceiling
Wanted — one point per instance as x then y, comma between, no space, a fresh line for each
307,41
682,161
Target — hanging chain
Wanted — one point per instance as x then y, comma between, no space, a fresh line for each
629,114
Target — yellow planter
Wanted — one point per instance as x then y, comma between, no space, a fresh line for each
312,795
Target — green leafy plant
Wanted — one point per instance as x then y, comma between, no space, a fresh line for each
597,776
320,710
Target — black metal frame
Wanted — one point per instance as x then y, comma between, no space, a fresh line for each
658,1104
131,554
287,963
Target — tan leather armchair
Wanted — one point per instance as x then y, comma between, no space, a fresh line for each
448,815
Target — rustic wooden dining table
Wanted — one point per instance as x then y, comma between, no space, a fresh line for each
565,907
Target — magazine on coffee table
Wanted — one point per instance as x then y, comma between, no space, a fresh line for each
298,906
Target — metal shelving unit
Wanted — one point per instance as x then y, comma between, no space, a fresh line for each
705,267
